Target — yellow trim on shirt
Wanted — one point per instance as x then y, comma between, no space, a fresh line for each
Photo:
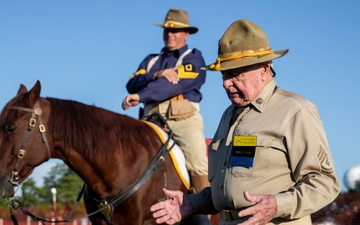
186,72
139,72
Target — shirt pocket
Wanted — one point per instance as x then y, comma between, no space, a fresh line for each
261,162
214,160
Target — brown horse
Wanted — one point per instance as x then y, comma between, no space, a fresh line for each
109,151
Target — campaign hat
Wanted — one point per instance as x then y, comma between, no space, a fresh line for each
243,44
178,18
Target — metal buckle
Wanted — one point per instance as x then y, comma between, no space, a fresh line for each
32,122
14,203
232,214
42,128
226,215
21,153
106,209
14,178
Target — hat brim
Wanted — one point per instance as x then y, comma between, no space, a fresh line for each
191,30
247,61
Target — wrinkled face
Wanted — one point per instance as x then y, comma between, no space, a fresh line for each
175,38
15,139
244,84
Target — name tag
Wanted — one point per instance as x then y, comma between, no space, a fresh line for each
243,151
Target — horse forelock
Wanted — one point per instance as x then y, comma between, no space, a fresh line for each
17,100
94,131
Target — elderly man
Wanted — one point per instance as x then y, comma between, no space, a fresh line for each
269,160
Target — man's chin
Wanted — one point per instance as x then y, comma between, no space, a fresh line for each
238,103
170,46
235,103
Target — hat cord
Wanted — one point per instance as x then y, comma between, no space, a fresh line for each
216,64
170,24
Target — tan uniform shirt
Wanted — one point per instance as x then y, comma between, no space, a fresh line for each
292,159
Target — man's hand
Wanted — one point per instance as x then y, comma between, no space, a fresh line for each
170,74
176,207
130,100
263,210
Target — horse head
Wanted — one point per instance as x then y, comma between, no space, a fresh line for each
23,141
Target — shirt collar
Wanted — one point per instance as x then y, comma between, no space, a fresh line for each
260,101
177,53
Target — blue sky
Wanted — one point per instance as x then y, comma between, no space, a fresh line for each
86,51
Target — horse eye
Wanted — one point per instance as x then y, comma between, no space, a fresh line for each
9,129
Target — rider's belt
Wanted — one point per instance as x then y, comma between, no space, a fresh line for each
232,214
163,108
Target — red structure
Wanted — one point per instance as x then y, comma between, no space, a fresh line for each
207,141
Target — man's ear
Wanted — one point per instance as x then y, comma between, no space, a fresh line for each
266,67
186,36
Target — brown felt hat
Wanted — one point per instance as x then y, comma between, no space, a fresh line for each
243,44
177,18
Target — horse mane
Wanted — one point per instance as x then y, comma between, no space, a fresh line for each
95,132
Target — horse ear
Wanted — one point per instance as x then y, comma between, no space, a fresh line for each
22,89
34,94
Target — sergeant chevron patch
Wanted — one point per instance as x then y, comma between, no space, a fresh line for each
324,160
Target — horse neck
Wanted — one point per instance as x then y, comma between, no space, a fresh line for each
91,141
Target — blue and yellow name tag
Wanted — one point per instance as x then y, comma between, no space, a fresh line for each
243,151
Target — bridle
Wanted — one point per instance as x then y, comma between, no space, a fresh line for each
36,112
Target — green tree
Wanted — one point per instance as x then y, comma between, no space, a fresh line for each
3,202
357,186
30,193
61,177
67,183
